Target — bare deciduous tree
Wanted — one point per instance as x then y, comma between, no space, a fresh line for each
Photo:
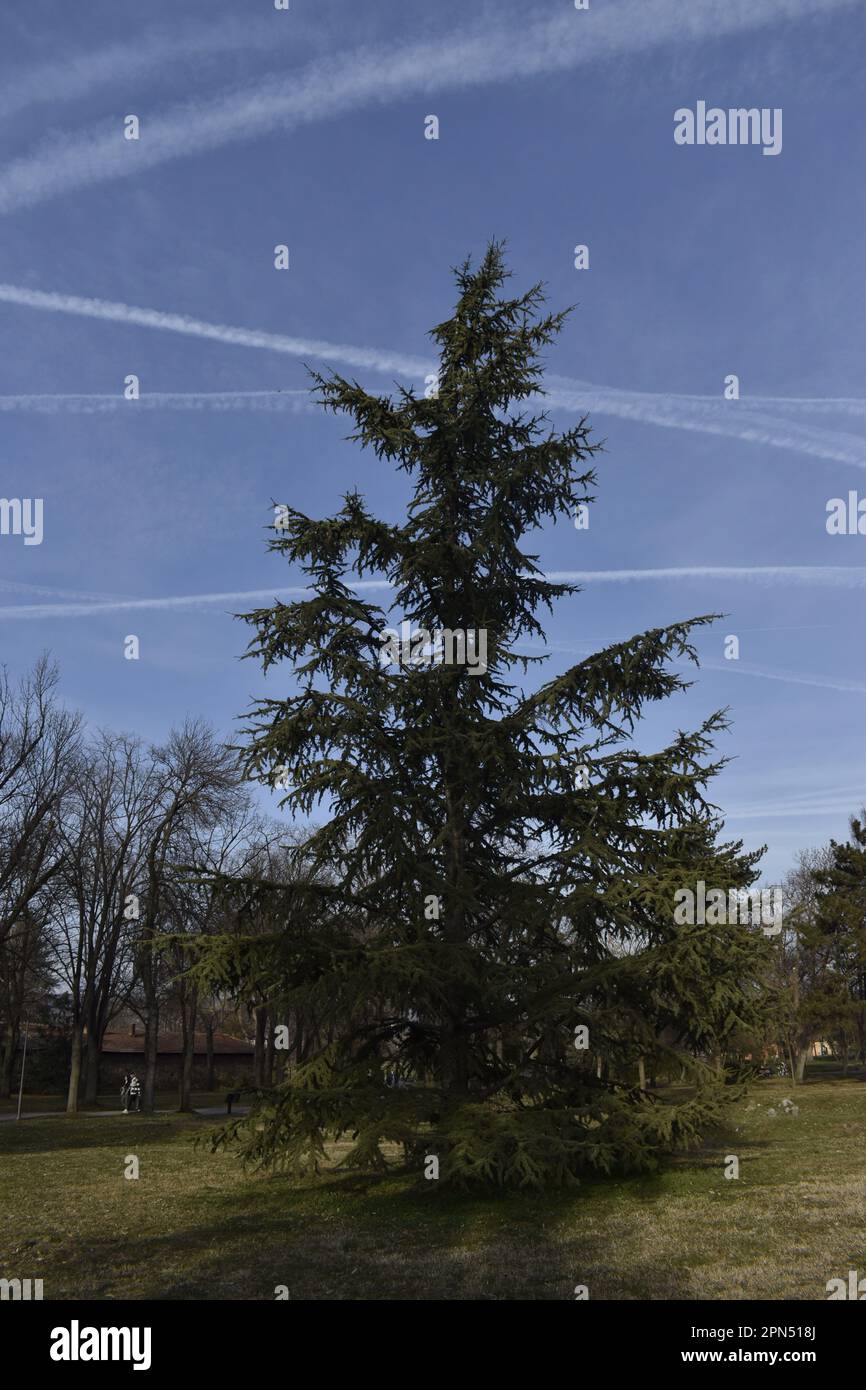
39,742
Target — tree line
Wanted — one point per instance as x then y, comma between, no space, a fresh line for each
109,849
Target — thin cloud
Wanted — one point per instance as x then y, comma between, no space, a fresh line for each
90,403
17,586
115,312
145,59
803,796
175,603
837,576
782,810
708,416
800,405
629,405
374,76
786,677
728,667
672,411
828,576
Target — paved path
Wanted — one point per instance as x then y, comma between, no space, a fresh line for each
52,1114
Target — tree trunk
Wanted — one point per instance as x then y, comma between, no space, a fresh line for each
269,1049
189,1009
802,1059
7,1065
210,1079
453,1041
302,1036
789,1051
151,1048
93,1048
92,1059
95,1034
74,1071
261,1017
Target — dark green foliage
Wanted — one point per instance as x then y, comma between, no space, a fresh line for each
556,889
842,925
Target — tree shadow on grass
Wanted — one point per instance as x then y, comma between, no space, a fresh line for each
373,1254
350,1235
64,1133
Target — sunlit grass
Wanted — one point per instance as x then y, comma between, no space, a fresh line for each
195,1226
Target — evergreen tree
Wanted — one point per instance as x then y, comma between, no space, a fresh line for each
842,916
809,995
498,864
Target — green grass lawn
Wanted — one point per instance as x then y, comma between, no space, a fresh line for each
194,1225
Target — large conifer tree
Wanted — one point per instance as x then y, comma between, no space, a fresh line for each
497,865
842,921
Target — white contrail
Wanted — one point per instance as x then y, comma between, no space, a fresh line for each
733,667
669,410
639,405
786,677
217,332
793,800
782,810
90,403
810,405
830,576
800,405
143,58
753,428
372,76
837,576
16,586
808,796
176,602
708,416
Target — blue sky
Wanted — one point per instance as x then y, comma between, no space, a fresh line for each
306,127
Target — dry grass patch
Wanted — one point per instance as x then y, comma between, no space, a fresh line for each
196,1226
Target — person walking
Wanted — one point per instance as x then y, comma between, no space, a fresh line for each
124,1092
135,1093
